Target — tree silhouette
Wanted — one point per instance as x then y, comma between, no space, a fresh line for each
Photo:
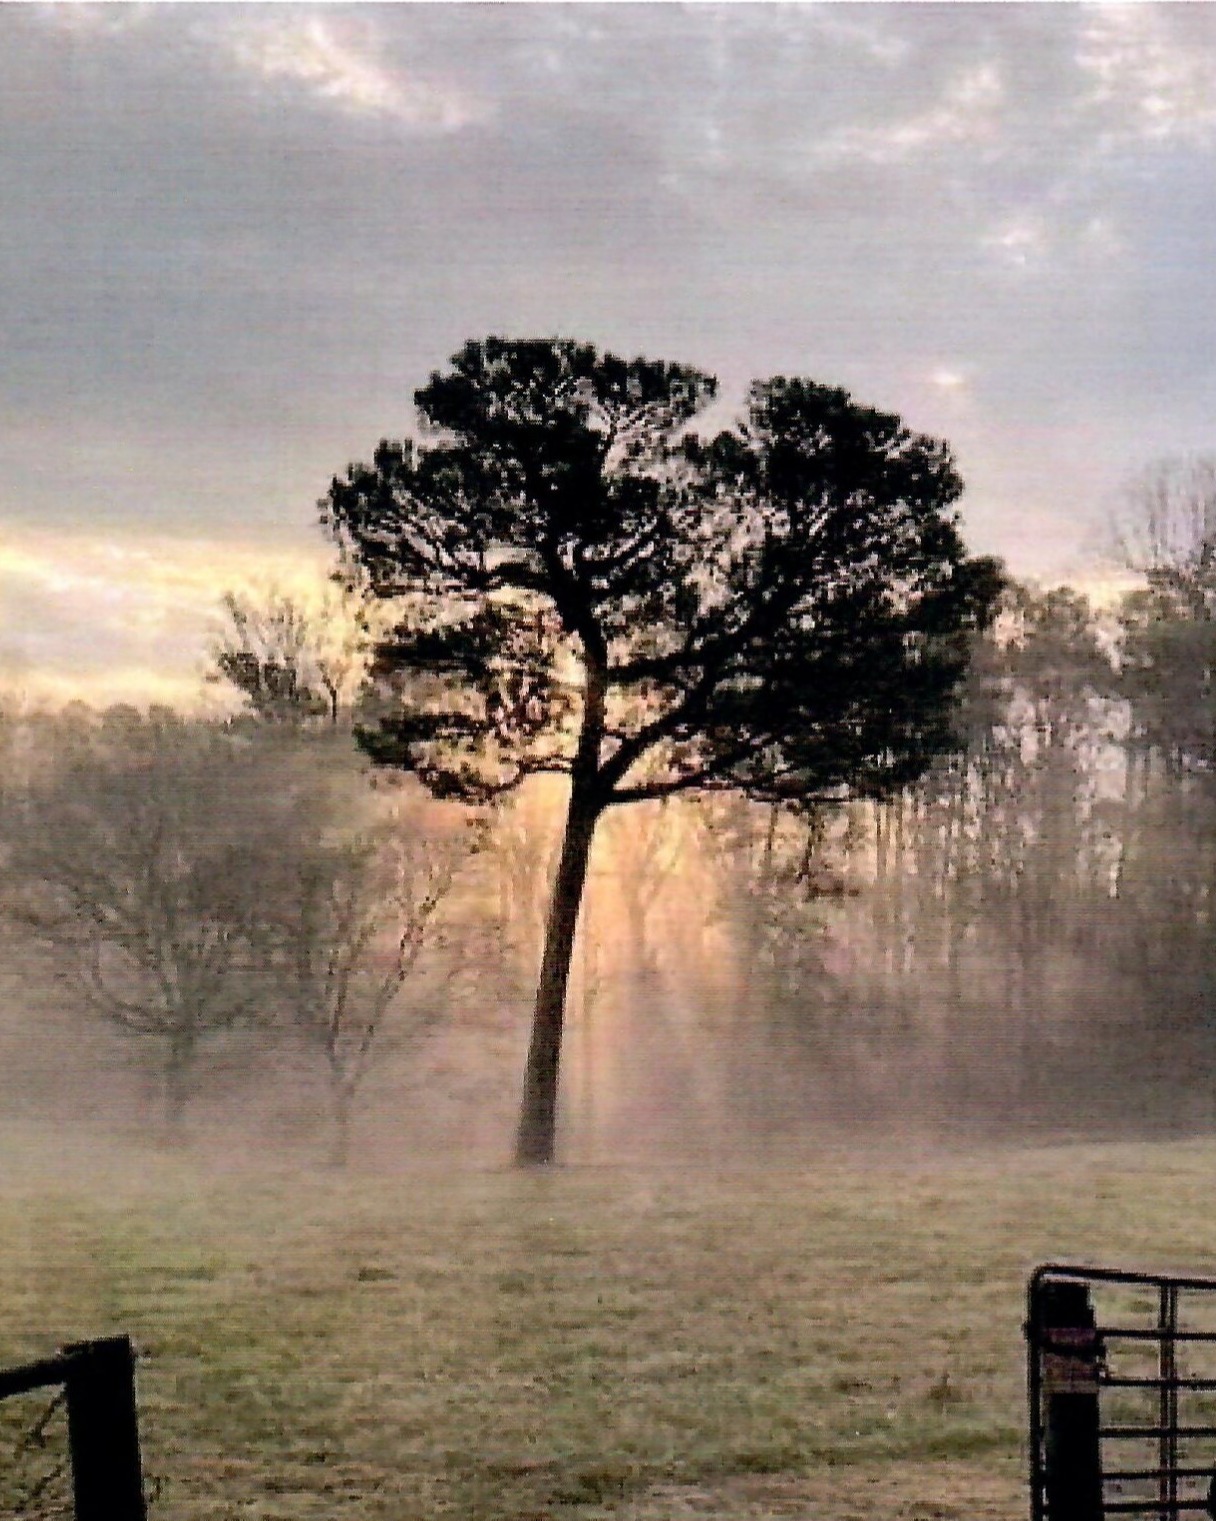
586,584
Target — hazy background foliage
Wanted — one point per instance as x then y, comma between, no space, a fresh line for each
1019,941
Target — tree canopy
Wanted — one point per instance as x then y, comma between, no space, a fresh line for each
781,609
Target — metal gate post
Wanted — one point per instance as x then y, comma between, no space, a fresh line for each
103,1431
1070,1354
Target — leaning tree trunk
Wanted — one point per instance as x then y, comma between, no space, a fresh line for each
535,1140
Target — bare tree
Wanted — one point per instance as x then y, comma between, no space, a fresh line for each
1168,655
294,660
354,915
135,859
1166,530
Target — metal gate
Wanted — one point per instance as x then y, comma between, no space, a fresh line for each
103,1428
1121,1374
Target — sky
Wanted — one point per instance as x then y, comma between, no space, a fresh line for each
234,239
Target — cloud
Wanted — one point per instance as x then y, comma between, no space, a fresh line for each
97,17
309,52
967,112
169,571
139,685
1021,241
846,26
1056,238
1160,86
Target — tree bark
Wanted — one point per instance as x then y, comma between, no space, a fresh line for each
536,1137
342,1100
178,1060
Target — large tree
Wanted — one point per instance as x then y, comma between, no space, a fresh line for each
588,586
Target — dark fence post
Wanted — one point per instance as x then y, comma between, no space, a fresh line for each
1070,1350
103,1431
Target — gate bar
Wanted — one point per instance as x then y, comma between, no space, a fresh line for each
1124,1382
1167,1321
1134,1507
1117,1275
1128,1474
1151,1333
51,1370
1160,1433
103,1424
1067,1369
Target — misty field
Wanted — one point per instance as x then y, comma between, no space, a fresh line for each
840,1341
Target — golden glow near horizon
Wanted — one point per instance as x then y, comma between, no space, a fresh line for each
105,620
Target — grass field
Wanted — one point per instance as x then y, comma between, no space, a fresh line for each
841,1340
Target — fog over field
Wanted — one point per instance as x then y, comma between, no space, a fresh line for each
1016,947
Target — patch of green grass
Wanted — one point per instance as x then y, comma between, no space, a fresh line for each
582,1343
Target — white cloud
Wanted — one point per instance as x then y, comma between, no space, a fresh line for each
1101,239
309,52
336,62
967,112
845,25
98,17
1159,86
1020,242
1032,242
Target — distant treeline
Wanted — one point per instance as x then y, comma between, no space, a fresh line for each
1024,937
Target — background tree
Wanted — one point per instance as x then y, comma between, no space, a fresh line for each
1166,528
1168,653
352,915
1165,872
777,872
136,857
293,659
646,848
783,610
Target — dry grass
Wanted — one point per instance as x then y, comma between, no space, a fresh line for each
838,1342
